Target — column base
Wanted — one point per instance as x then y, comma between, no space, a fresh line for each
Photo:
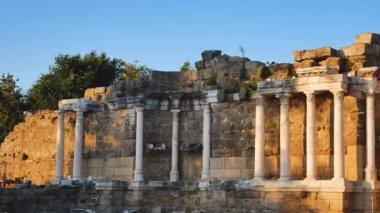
310,178
370,174
174,176
203,184
284,178
138,185
206,175
138,176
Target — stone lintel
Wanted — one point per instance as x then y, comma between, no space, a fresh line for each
321,83
369,72
78,103
314,71
364,84
274,87
214,96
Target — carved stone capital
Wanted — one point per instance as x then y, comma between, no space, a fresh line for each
284,98
338,94
260,100
310,96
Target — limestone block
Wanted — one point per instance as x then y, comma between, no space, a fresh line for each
100,90
296,161
210,54
338,205
232,173
272,162
335,63
305,64
109,172
368,38
129,162
114,162
359,49
246,173
309,54
127,171
95,171
234,162
88,93
297,55
331,195
325,52
217,173
96,163
216,163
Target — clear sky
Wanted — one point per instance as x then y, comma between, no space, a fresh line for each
163,34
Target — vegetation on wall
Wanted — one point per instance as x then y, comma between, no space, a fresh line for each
11,105
134,71
186,66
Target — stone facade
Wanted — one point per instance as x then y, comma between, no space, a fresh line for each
307,132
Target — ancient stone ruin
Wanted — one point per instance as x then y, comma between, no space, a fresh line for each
232,135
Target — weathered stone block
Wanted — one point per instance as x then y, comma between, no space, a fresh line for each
129,162
246,173
305,64
100,90
309,54
368,38
335,63
216,163
96,162
297,55
128,171
210,54
114,162
325,52
359,49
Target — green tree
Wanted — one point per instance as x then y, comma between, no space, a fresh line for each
70,76
186,66
11,105
134,71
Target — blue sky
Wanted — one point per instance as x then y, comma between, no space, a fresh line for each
163,34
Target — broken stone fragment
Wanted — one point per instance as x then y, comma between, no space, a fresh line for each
368,38
335,63
210,54
309,54
305,64
200,65
297,55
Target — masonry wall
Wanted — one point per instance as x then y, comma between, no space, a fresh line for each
164,200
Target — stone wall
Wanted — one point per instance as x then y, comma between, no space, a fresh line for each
29,150
165,200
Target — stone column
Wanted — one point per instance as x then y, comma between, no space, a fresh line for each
259,138
206,143
60,146
338,135
284,137
138,173
370,170
77,168
174,171
311,169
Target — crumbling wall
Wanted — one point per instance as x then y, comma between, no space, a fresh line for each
29,150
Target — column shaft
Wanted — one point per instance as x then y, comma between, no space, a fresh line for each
259,138
311,169
138,173
338,136
77,167
60,146
370,171
284,137
174,170
206,143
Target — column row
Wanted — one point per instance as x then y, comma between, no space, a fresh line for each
59,159
311,167
174,173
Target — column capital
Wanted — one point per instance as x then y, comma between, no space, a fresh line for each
260,99
175,111
59,111
310,96
369,92
139,109
338,94
79,110
284,98
206,107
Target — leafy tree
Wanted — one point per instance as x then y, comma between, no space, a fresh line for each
186,66
134,71
70,76
11,105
